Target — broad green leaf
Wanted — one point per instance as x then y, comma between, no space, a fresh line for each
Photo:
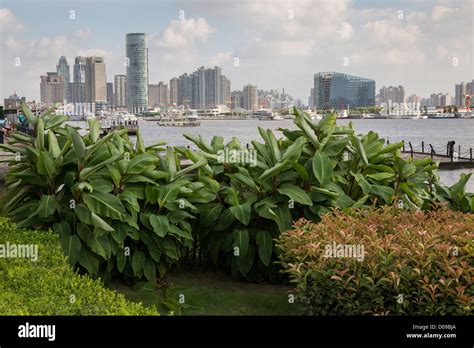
89,261
241,212
241,241
47,206
295,193
265,246
322,168
104,204
160,224
138,260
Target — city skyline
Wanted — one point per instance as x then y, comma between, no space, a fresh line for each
272,44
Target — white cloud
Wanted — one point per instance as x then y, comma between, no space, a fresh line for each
91,52
439,12
8,21
82,34
183,33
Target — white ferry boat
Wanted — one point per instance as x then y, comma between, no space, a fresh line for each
180,118
266,115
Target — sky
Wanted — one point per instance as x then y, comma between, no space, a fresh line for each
425,45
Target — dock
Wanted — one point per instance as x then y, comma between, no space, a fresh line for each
450,157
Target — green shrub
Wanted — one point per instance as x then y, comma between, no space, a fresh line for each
133,211
48,286
414,263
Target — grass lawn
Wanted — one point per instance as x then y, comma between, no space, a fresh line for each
211,293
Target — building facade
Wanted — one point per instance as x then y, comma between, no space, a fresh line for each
335,90
62,68
174,91
110,94
120,95
392,94
13,101
95,86
158,95
137,72
250,97
52,88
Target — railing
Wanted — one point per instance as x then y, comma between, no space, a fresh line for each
447,151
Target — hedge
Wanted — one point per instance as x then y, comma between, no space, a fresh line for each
49,286
408,263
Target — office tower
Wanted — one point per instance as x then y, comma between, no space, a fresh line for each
110,94
62,68
250,97
137,72
311,102
76,92
79,70
237,99
174,91
52,88
120,82
341,91
95,86
224,91
184,89
158,95
393,94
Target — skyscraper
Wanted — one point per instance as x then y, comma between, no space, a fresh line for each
393,94
120,82
95,87
250,97
174,91
158,95
110,94
459,91
52,88
79,70
224,91
184,89
337,91
137,72
62,68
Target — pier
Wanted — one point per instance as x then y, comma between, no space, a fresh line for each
449,156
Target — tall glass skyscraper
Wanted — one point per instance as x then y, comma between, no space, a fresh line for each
334,90
137,72
63,69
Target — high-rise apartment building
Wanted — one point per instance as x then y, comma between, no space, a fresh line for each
174,91
237,99
95,86
340,91
203,88
158,95
459,92
137,72
250,97
225,91
62,68
52,88
110,94
392,94
120,96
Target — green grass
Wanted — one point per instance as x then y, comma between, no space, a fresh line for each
211,293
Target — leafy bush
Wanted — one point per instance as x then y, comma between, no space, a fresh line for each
48,286
117,206
414,263
311,170
133,211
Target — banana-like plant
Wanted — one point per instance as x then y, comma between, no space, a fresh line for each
308,172
116,205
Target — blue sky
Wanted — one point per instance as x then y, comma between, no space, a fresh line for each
423,45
